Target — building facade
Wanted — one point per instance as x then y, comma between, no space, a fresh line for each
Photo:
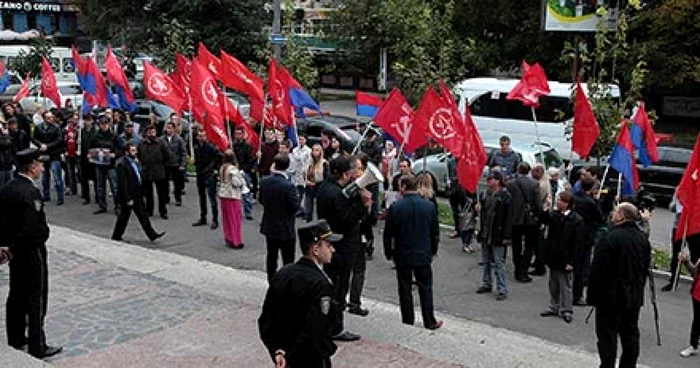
20,20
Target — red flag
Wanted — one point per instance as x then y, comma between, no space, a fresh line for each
438,122
586,129
211,62
688,194
78,61
532,85
48,83
160,87
236,76
116,75
256,109
395,117
23,90
278,91
207,96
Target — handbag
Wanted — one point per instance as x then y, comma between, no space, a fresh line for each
531,217
466,217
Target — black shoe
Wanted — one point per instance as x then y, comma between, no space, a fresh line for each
157,236
249,218
86,202
437,325
501,296
483,289
49,351
567,318
524,279
214,225
358,311
164,216
346,336
59,203
201,222
178,203
119,238
580,303
101,210
538,272
667,287
549,313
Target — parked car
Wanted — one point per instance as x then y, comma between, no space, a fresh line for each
67,90
145,107
313,128
342,122
436,164
240,102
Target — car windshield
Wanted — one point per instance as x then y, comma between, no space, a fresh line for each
551,158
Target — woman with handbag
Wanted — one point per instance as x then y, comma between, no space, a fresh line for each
231,183
466,223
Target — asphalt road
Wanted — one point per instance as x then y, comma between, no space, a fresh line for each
457,276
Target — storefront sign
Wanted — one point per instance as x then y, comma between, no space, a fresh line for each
29,6
578,15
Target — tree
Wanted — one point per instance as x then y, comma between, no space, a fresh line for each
232,25
31,61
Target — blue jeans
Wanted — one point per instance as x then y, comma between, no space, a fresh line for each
52,168
5,176
206,187
309,198
496,255
247,198
102,173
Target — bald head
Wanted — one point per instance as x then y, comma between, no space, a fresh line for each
625,212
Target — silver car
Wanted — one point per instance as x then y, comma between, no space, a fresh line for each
436,164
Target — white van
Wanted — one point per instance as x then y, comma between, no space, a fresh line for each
61,61
495,116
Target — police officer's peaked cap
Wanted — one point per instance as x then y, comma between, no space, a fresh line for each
27,156
315,231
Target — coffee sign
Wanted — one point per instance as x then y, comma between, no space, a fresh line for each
29,6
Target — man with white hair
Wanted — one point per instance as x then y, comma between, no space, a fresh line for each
555,184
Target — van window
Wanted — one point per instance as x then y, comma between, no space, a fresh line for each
551,158
495,105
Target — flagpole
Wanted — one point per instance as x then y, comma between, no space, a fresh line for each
537,133
261,137
602,182
228,123
684,249
364,135
618,195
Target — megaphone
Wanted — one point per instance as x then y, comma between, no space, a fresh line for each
371,175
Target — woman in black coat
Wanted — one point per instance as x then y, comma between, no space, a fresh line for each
566,232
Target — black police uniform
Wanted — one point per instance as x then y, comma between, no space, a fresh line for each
24,230
295,312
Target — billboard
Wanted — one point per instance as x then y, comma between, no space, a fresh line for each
579,15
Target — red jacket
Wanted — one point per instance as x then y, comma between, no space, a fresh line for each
70,136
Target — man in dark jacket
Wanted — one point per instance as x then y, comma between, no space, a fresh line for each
177,163
589,209
616,287
246,163
20,138
23,233
14,112
7,155
565,232
294,319
49,138
527,206
411,237
87,169
495,233
130,177
506,159
207,159
278,196
106,140
343,215
154,154
268,151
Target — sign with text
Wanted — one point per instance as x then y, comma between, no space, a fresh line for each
31,6
578,15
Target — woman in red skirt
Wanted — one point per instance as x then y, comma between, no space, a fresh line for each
231,184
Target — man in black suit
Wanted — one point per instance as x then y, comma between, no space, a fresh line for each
129,178
589,209
526,208
279,198
411,237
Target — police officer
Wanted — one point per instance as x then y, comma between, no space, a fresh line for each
23,235
293,323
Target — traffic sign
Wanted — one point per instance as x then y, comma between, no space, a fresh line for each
277,38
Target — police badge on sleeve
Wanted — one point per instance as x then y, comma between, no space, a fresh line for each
38,205
325,304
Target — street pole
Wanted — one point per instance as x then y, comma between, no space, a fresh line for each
277,27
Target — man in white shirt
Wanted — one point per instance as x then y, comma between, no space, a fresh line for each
300,159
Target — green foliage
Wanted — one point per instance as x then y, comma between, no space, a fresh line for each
232,25
31,61
178,39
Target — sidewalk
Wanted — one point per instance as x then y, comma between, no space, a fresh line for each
119,305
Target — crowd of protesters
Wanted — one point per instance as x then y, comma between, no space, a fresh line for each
548,224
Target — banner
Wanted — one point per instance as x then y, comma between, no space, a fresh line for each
578,15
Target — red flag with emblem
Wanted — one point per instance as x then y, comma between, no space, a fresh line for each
23,90
395,117
48,83
532,85
586,129
207,96
688,194
158,86
279,93
209,60
238,77
435,116
256,109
